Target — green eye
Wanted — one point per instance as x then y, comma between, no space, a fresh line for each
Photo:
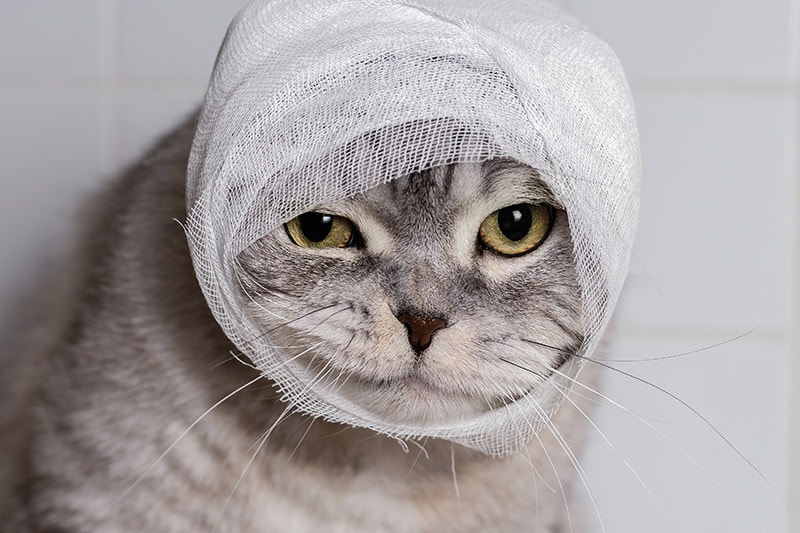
320,230
517,229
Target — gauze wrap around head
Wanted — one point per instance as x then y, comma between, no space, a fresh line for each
317,100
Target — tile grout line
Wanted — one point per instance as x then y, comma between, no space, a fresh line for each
793,490
774,86
58,86
792,496
111,61
793,59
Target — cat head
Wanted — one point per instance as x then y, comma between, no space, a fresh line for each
413,86
430,299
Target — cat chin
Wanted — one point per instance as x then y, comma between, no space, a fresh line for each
413,400
435,391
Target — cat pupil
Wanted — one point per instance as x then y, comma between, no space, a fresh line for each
515,221
316,226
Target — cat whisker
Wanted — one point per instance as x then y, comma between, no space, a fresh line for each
663,391
297,447
510,396
601,402
243,361
534,471
419,445
453,469
569,454
653,283
333,385
348,308
306,316
261,441
410,469
265,297
256,303
573,459
552,466
607,440
690,352
672,442
534,475
238,355
271,370
541,374
229,358
240,270
298,318
320,376
177,440
287,361
686,454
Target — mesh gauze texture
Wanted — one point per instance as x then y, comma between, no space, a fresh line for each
317,100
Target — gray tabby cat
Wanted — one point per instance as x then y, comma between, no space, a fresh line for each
128,410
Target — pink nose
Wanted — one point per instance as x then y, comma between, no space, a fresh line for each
421,329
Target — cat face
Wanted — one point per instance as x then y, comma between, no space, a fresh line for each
427,299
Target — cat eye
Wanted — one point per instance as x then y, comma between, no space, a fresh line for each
321,230
516,229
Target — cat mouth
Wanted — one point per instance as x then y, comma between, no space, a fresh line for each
412,381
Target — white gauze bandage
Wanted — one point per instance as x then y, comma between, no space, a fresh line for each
317,100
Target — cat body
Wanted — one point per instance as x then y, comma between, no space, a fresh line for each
125,409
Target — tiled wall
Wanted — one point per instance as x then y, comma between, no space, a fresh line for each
717,94
86,85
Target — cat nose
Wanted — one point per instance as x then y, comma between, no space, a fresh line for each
421,329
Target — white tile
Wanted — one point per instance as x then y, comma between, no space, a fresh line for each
712,40
715,229
698,479
50,153
145,116
50,148
176,40
49,40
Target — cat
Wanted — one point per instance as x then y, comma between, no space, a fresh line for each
128,408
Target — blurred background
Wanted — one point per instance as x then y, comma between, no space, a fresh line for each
87,85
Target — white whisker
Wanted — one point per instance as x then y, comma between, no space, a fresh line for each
611,445
261,441
177,440
549,460
453,469
297,447
677,446
250,297
240,270
573,459
591,422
